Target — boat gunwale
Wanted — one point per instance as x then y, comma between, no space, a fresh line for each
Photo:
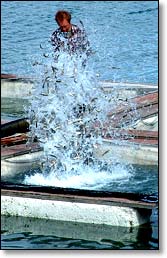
135,200
110,82
128,142
110,201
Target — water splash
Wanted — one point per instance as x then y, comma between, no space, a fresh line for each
84,177
66,104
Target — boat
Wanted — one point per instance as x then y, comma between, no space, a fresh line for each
16,88
136,146
64,204
83,206
126,146
135,152
136,109
21,87
144,97
19,159
75,205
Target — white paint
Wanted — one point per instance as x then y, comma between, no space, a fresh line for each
23,88
16,89
19,164
72,211
127,153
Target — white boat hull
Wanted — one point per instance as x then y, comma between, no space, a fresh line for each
148,124
76,208
19,88
69,211
123,153
20,164
22,88
127,153
16,88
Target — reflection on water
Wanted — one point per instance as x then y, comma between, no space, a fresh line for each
30,233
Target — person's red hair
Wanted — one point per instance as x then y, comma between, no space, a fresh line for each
61,15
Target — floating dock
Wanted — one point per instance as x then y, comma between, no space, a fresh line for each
83,206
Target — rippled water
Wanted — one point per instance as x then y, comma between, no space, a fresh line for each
30,233
123,34
124,38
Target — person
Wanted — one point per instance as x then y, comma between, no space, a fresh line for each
69,37
72,39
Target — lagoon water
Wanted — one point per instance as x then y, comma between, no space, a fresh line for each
124,39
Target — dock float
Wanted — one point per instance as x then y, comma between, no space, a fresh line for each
75,205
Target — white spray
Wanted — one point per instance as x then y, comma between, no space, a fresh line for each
66,103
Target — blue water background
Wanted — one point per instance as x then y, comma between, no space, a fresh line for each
124,38
123,35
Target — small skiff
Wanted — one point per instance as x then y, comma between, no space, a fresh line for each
125,146
17,87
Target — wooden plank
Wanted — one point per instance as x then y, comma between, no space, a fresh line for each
88,196
117,133
16,139
137,141
131,116
137,102
136,136
20,149
7,76
134,109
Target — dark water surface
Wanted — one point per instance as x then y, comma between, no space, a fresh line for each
30,233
